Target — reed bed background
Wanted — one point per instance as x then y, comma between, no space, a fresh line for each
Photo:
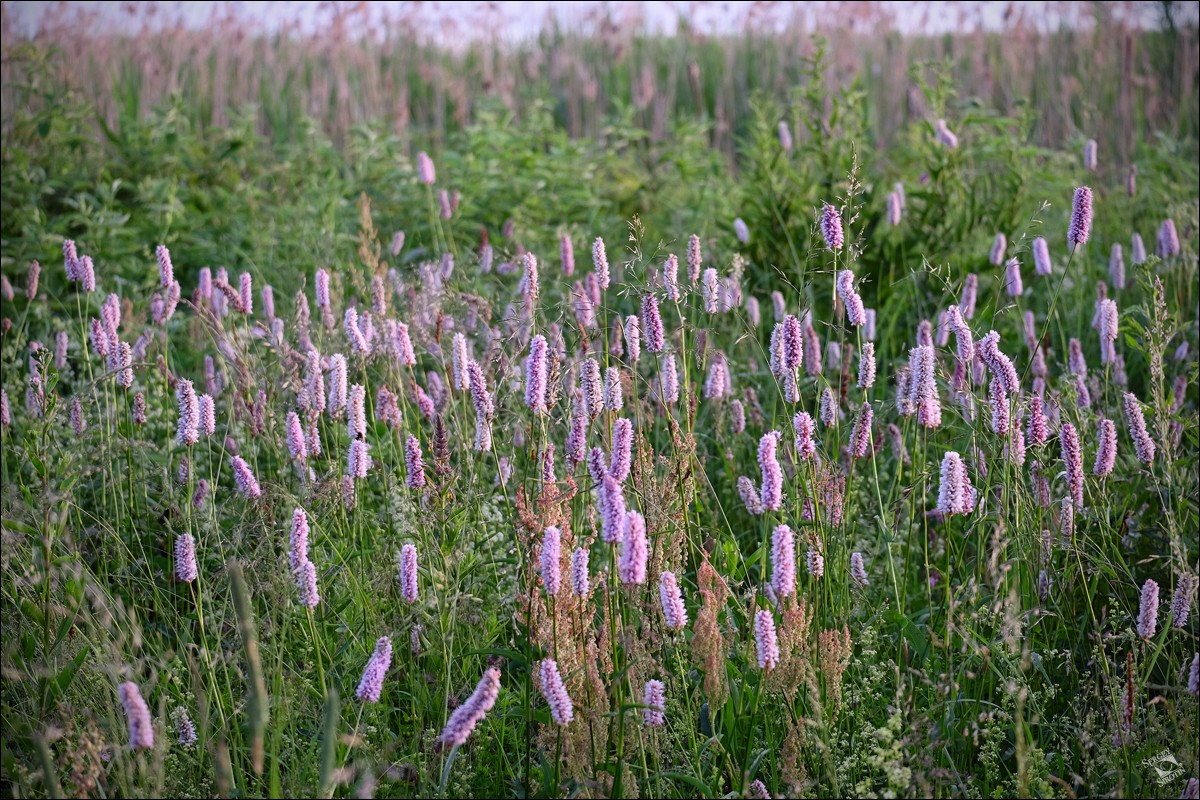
387,419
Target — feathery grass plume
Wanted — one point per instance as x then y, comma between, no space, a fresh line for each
970,292
137,714
741,231
414,464
257,704
613,518
551,558
425,171
1041,257
185,558
895,209
1137,250
371,685
464,719
1012,278
772,474
671,598
358,461
1143,445
831,229
866,366
1168,240
244,478
1148,610
536,374
814,561
1106,451
1000,364
655,698
855,313
188,431
955,493
1181,602
579,572
1109,320
858,571
622,450
944,135
766,642
298,539
783,561
670,275
555,692
1081,217
1073,459
999,246
998,399
631,568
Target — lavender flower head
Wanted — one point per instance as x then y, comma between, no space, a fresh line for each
579,572
855,313
1073,459
772,473
185,558
371,685
1012,278
695,259
1148,610
783,561
425,172
555,692
464,719
1081,217
742,232
765,640
551,559
999,246
631,568
652,322
955,494
298,540
137,714
188,432
858,572
831,228
1143,445
655,699
671,598
536,375
244,478
1168,239
408,573
414,463
1041,257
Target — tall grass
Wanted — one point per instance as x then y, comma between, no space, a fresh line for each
1000,652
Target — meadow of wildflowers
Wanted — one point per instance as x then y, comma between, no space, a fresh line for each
539,466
